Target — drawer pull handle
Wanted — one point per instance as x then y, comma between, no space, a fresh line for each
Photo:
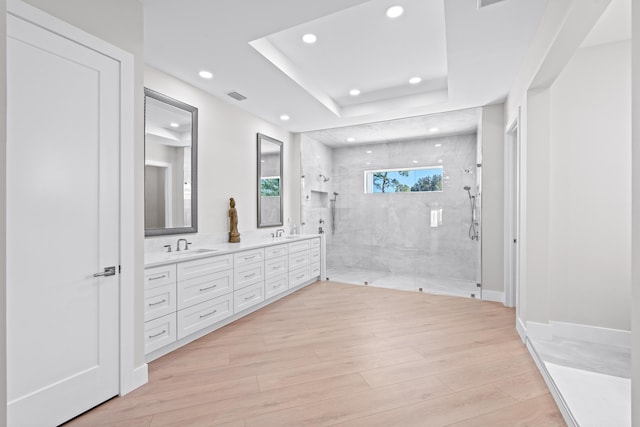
151,304
277,286
158,277
164,331
206,289
248,298
277,267
208,314
300,277
247,258
249,275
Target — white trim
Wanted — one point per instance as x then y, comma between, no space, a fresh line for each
495,296
128,377
521,329
557,396
540,331
140,376
511,211
592,334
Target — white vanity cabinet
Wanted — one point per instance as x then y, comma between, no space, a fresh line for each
276,270
186,299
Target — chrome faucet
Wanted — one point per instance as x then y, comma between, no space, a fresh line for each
279,232
186,244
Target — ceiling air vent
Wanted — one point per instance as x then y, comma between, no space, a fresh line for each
237,96
483,3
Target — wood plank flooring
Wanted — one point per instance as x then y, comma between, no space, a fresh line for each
337,354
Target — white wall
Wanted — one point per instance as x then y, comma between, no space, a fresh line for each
3,199
635,278
493,198
227,159
590,189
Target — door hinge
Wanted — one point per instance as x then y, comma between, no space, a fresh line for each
119,269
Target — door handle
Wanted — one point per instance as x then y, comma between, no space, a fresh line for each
108,271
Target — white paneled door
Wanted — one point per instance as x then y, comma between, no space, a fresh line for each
62,226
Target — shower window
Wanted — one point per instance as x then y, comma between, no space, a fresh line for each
405,180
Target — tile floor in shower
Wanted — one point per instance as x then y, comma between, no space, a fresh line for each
385,279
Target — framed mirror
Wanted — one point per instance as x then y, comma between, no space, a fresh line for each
170,165
269,182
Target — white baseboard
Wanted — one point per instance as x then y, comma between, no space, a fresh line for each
495,296
573,331
540,331
139,377
521,329
593,334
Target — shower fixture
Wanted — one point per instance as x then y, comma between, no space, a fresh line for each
324,178
473,228
333,212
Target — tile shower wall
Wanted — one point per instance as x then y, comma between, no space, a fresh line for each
317,193
391,232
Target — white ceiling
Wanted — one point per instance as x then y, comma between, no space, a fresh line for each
467,56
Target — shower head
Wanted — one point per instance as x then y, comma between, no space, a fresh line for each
335,194
467,188
324,178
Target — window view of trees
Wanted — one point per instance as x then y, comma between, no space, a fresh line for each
404,180
269,187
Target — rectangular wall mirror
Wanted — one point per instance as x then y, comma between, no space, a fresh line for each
170,166
269,182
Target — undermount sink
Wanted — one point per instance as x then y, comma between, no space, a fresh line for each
192,252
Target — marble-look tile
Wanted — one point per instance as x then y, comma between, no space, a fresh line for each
385,279
594,399
601,358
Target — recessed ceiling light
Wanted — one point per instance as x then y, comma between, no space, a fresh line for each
367,163
206,74
434,130
415,80
309,38
414,161
174,125
439,160
395,11
284,117
438,145
354,92
351,139
369,151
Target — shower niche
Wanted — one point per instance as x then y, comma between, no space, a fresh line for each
318,199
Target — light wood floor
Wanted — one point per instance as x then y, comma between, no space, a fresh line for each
336,354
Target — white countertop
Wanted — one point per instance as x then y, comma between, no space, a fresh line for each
156,259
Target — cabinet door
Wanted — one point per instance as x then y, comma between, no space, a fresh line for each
299,276
159,332
276,251
276,286
303,245
205,314
248,275
203,288
299,259
204,266
243,258
248,297
159,276
276,267
159,301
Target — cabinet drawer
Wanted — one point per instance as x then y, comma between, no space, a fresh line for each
248,274
299,276
314,243
248,297
159,276
299,246
276,251
248,257
205,314
275,267
275,286
204,266
159,301
315,255
159,332
299,259
200,289
315,270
